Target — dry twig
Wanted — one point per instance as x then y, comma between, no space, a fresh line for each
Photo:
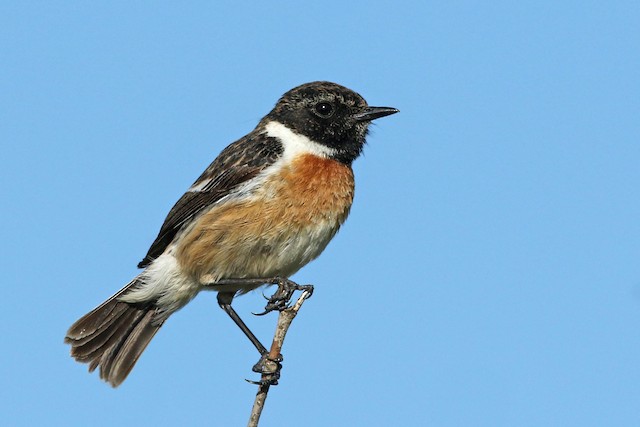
284,321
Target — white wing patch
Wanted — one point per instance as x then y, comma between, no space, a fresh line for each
293,145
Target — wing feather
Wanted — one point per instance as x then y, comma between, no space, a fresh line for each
236,164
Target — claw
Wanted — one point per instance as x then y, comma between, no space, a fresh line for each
308,288
270,381
282,296
269,368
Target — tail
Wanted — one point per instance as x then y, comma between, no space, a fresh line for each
114,335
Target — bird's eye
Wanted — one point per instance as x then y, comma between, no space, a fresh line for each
324,109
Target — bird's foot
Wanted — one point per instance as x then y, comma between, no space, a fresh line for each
269,369
280,299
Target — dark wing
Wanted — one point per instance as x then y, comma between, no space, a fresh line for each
238,163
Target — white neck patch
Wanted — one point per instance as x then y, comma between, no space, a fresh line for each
295,144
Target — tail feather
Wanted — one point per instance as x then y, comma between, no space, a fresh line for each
84,348
113,336
139,337
107,340
103,356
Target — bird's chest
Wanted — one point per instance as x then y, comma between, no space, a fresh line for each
288,220
310,192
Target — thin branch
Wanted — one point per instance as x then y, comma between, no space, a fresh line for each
284,321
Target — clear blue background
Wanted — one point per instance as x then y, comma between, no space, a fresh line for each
489,274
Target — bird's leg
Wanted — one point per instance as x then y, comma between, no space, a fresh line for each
268,366
279,300
265,365
224,301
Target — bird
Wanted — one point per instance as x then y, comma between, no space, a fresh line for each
267,205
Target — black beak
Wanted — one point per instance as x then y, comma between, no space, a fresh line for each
372,113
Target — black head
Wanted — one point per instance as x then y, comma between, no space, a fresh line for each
329,114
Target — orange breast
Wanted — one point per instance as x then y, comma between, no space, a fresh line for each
315,188
286,223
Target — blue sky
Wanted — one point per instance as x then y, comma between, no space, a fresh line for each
489,274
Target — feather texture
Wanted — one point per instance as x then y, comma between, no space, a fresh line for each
113,336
